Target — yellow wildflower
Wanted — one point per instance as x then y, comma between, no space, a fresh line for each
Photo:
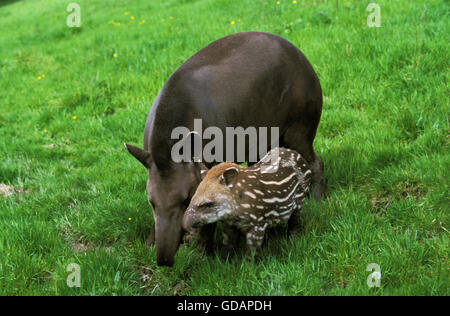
233,22
115,55
74,117
278,2
294,2
39,77
132,17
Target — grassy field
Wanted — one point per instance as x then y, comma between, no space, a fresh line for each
70,97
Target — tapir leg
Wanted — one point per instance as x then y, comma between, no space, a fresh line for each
231,236
205,240
299,137
294,222
151,238
254,240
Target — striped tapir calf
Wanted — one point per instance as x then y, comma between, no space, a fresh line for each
250,200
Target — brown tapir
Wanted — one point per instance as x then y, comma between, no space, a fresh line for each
249,79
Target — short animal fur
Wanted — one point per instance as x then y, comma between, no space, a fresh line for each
250,200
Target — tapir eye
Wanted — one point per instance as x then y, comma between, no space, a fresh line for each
206,205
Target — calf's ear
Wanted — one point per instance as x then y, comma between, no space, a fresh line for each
140,154
229,176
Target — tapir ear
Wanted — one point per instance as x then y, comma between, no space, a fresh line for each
203,169
140,154
229,176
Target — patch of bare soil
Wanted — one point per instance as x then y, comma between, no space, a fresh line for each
151,285
83,247
148,284
79,247
8,190
382,200
413,190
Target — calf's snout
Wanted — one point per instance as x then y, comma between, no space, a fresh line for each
189,221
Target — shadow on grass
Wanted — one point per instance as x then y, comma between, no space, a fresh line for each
6,2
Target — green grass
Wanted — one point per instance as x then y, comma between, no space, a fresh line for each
384,138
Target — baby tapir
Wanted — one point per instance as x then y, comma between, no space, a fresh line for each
250,200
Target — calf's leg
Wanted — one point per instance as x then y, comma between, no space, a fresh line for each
254,238
205,240
231,236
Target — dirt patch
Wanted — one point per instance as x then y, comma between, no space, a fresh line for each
413,190
380,205
8,190
148,284
79,247
153,284
179,288
382,200
85,246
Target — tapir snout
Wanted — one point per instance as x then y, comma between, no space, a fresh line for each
168,235
190,221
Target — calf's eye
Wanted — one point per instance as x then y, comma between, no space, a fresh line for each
206,205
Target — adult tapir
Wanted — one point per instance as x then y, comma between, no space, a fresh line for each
245,79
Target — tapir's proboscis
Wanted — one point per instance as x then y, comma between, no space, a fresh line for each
249,79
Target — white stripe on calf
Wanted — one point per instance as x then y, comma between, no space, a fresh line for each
250,194
274,213
273,200
280,182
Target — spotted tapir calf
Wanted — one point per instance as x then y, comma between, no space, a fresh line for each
251,200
